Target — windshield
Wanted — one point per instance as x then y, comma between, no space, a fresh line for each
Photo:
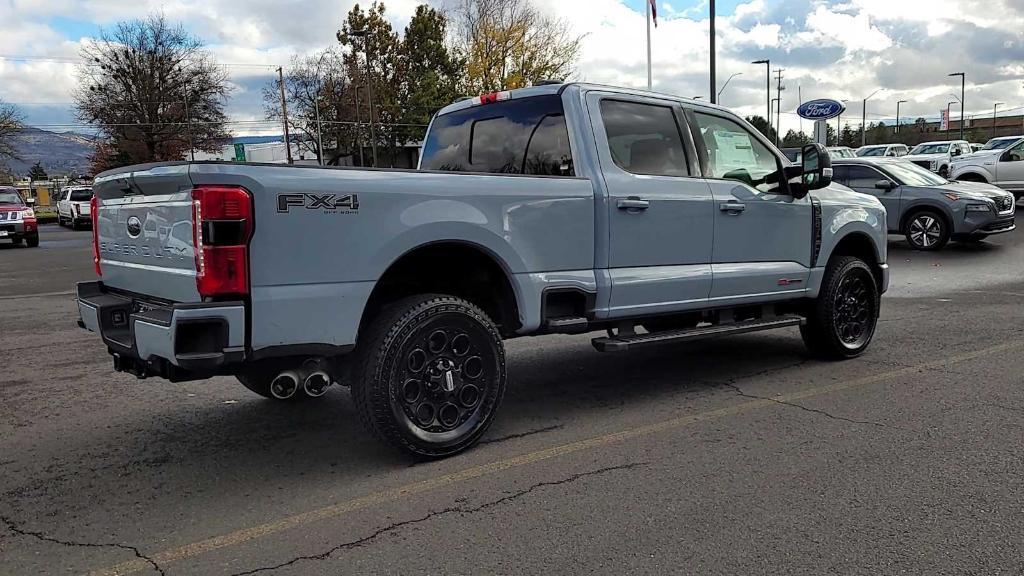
81,195
879,151
931,149
10,198
1001,144
909,174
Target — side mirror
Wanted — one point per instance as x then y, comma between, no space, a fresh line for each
817,169
886,185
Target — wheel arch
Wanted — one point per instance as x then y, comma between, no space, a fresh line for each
475,273
861,245
972,176
917,207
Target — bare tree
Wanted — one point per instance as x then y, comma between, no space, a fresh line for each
316,85
10,126
153,91
510,44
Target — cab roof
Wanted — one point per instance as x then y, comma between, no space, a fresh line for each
554,89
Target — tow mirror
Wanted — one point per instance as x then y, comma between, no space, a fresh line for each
886,185
817,169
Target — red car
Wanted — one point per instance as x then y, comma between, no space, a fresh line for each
17,219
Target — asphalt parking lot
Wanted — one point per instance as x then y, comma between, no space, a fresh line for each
732,456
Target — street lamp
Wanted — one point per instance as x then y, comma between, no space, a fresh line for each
768,86
864,119
898,114
316,109
364,34
726,84
963,96
995,110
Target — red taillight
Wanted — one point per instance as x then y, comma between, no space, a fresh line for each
94,211
221,228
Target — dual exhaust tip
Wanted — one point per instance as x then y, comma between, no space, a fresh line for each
287,384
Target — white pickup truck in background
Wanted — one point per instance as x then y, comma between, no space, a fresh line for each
73,207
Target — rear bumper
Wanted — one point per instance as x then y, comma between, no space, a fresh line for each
178,342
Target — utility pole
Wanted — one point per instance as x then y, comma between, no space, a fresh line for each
898,114
995,111
963,96
364,34
188,127
284,114
714,83
778,110
768,87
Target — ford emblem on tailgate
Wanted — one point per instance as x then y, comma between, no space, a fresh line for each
134,226
823,109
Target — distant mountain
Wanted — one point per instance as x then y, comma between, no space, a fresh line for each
59,154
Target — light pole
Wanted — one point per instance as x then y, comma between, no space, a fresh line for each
711,36
768,86
839,127
726,84
963,96
864,119
778,108
948,106
369,88
995,110
898,114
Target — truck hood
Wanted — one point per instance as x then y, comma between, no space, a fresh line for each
839,195
913,157
979,156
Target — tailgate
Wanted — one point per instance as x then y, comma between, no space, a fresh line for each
144,230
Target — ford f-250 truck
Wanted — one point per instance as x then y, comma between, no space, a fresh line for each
553,209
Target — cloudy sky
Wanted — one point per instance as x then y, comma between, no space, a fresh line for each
843,49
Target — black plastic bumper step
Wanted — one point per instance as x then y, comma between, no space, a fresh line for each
568,325
625,342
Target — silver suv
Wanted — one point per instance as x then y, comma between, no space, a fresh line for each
1003,167
926,207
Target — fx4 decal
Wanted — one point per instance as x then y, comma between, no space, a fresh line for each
327,203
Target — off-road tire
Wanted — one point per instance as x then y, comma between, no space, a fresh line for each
32,241
822,333
385,360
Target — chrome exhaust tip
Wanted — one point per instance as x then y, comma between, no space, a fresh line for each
285,385
316,384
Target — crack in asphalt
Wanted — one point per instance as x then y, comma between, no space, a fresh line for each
739,391
434,514
521,434
13,527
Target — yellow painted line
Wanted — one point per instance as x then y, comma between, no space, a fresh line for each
393,494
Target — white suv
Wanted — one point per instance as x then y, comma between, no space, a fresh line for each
73,207
882,151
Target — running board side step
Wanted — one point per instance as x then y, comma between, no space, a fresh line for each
625,342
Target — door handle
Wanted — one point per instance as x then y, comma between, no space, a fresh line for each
633,203
732,207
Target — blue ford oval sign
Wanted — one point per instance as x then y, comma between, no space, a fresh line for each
823,109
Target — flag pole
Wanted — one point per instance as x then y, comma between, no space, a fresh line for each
648,3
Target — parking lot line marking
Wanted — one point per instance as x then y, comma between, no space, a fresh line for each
43,295
394,494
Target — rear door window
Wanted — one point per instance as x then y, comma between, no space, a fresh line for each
519,136
644,138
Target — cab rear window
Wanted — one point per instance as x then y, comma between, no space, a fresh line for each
519,136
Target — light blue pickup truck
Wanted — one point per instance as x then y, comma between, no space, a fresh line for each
554,209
